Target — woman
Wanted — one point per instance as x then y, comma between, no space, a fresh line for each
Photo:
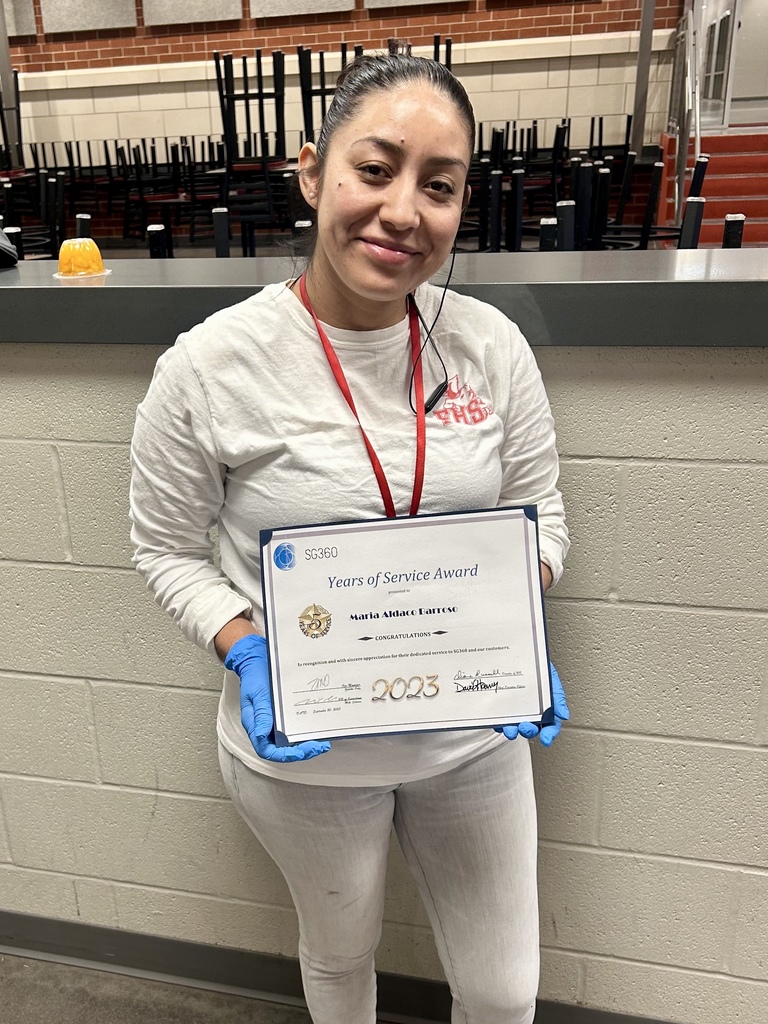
244,426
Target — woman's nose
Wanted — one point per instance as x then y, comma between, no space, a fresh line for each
400,206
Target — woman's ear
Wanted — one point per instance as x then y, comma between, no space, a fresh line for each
309,173
467,194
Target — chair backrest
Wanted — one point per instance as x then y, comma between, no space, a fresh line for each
697,180
315,86
238,106
566,225
448,48
514,217
626,187
652,204
10,114
691,226
599,222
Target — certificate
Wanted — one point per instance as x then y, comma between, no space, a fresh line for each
411,624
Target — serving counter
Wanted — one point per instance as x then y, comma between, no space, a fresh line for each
697,298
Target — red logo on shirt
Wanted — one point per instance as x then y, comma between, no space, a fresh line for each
462,405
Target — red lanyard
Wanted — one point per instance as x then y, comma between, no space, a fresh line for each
418,379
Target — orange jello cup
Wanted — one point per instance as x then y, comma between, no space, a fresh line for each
80,257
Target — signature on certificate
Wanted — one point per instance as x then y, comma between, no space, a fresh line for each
480,682
328,699
320,683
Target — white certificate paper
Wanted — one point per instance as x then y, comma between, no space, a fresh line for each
400,625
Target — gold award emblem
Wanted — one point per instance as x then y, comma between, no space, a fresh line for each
315,621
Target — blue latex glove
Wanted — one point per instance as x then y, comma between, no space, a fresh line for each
548,733
248,657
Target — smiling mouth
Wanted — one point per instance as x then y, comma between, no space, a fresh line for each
392,247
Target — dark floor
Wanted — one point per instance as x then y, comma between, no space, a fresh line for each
41,992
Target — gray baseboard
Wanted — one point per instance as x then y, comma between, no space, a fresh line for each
241,969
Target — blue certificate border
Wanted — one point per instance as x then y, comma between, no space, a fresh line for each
532,517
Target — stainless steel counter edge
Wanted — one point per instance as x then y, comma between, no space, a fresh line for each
699,297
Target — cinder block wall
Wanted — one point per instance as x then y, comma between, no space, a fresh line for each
653,803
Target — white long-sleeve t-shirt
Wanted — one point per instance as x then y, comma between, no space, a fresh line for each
244,427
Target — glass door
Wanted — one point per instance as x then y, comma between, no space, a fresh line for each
749,92
717,20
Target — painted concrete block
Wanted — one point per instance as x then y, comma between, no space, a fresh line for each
574,71
71,101
197,121
140,124
671,994
37,892
34,105
591,496
82,16
519,74
239,923
560,976
697,674
539,103
682,403
172,842
33,523
410,951
35,81
96,479
603,99
749,954
162,96
95,127
200,94
692,534
178,12
188,71
473,77
96,902
609,904
5,850
700,801
47,129
45,728
19,17
74,392
141,74
98,624
114,99
499,106
568,782
616,69
158,738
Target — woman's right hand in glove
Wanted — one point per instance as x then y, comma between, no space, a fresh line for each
248,658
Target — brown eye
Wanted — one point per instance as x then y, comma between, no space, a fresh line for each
442,188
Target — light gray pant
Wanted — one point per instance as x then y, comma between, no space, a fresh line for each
469,837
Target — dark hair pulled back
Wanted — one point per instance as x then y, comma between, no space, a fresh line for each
364,76
370,73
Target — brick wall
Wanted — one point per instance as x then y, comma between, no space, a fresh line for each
470,21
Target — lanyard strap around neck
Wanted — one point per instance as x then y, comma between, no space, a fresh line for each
418,379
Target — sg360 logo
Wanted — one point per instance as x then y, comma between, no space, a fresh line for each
396,689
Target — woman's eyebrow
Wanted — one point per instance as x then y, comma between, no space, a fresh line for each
393,148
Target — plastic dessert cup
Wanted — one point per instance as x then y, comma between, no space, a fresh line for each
79,258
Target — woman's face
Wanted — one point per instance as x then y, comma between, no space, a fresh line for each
388,203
